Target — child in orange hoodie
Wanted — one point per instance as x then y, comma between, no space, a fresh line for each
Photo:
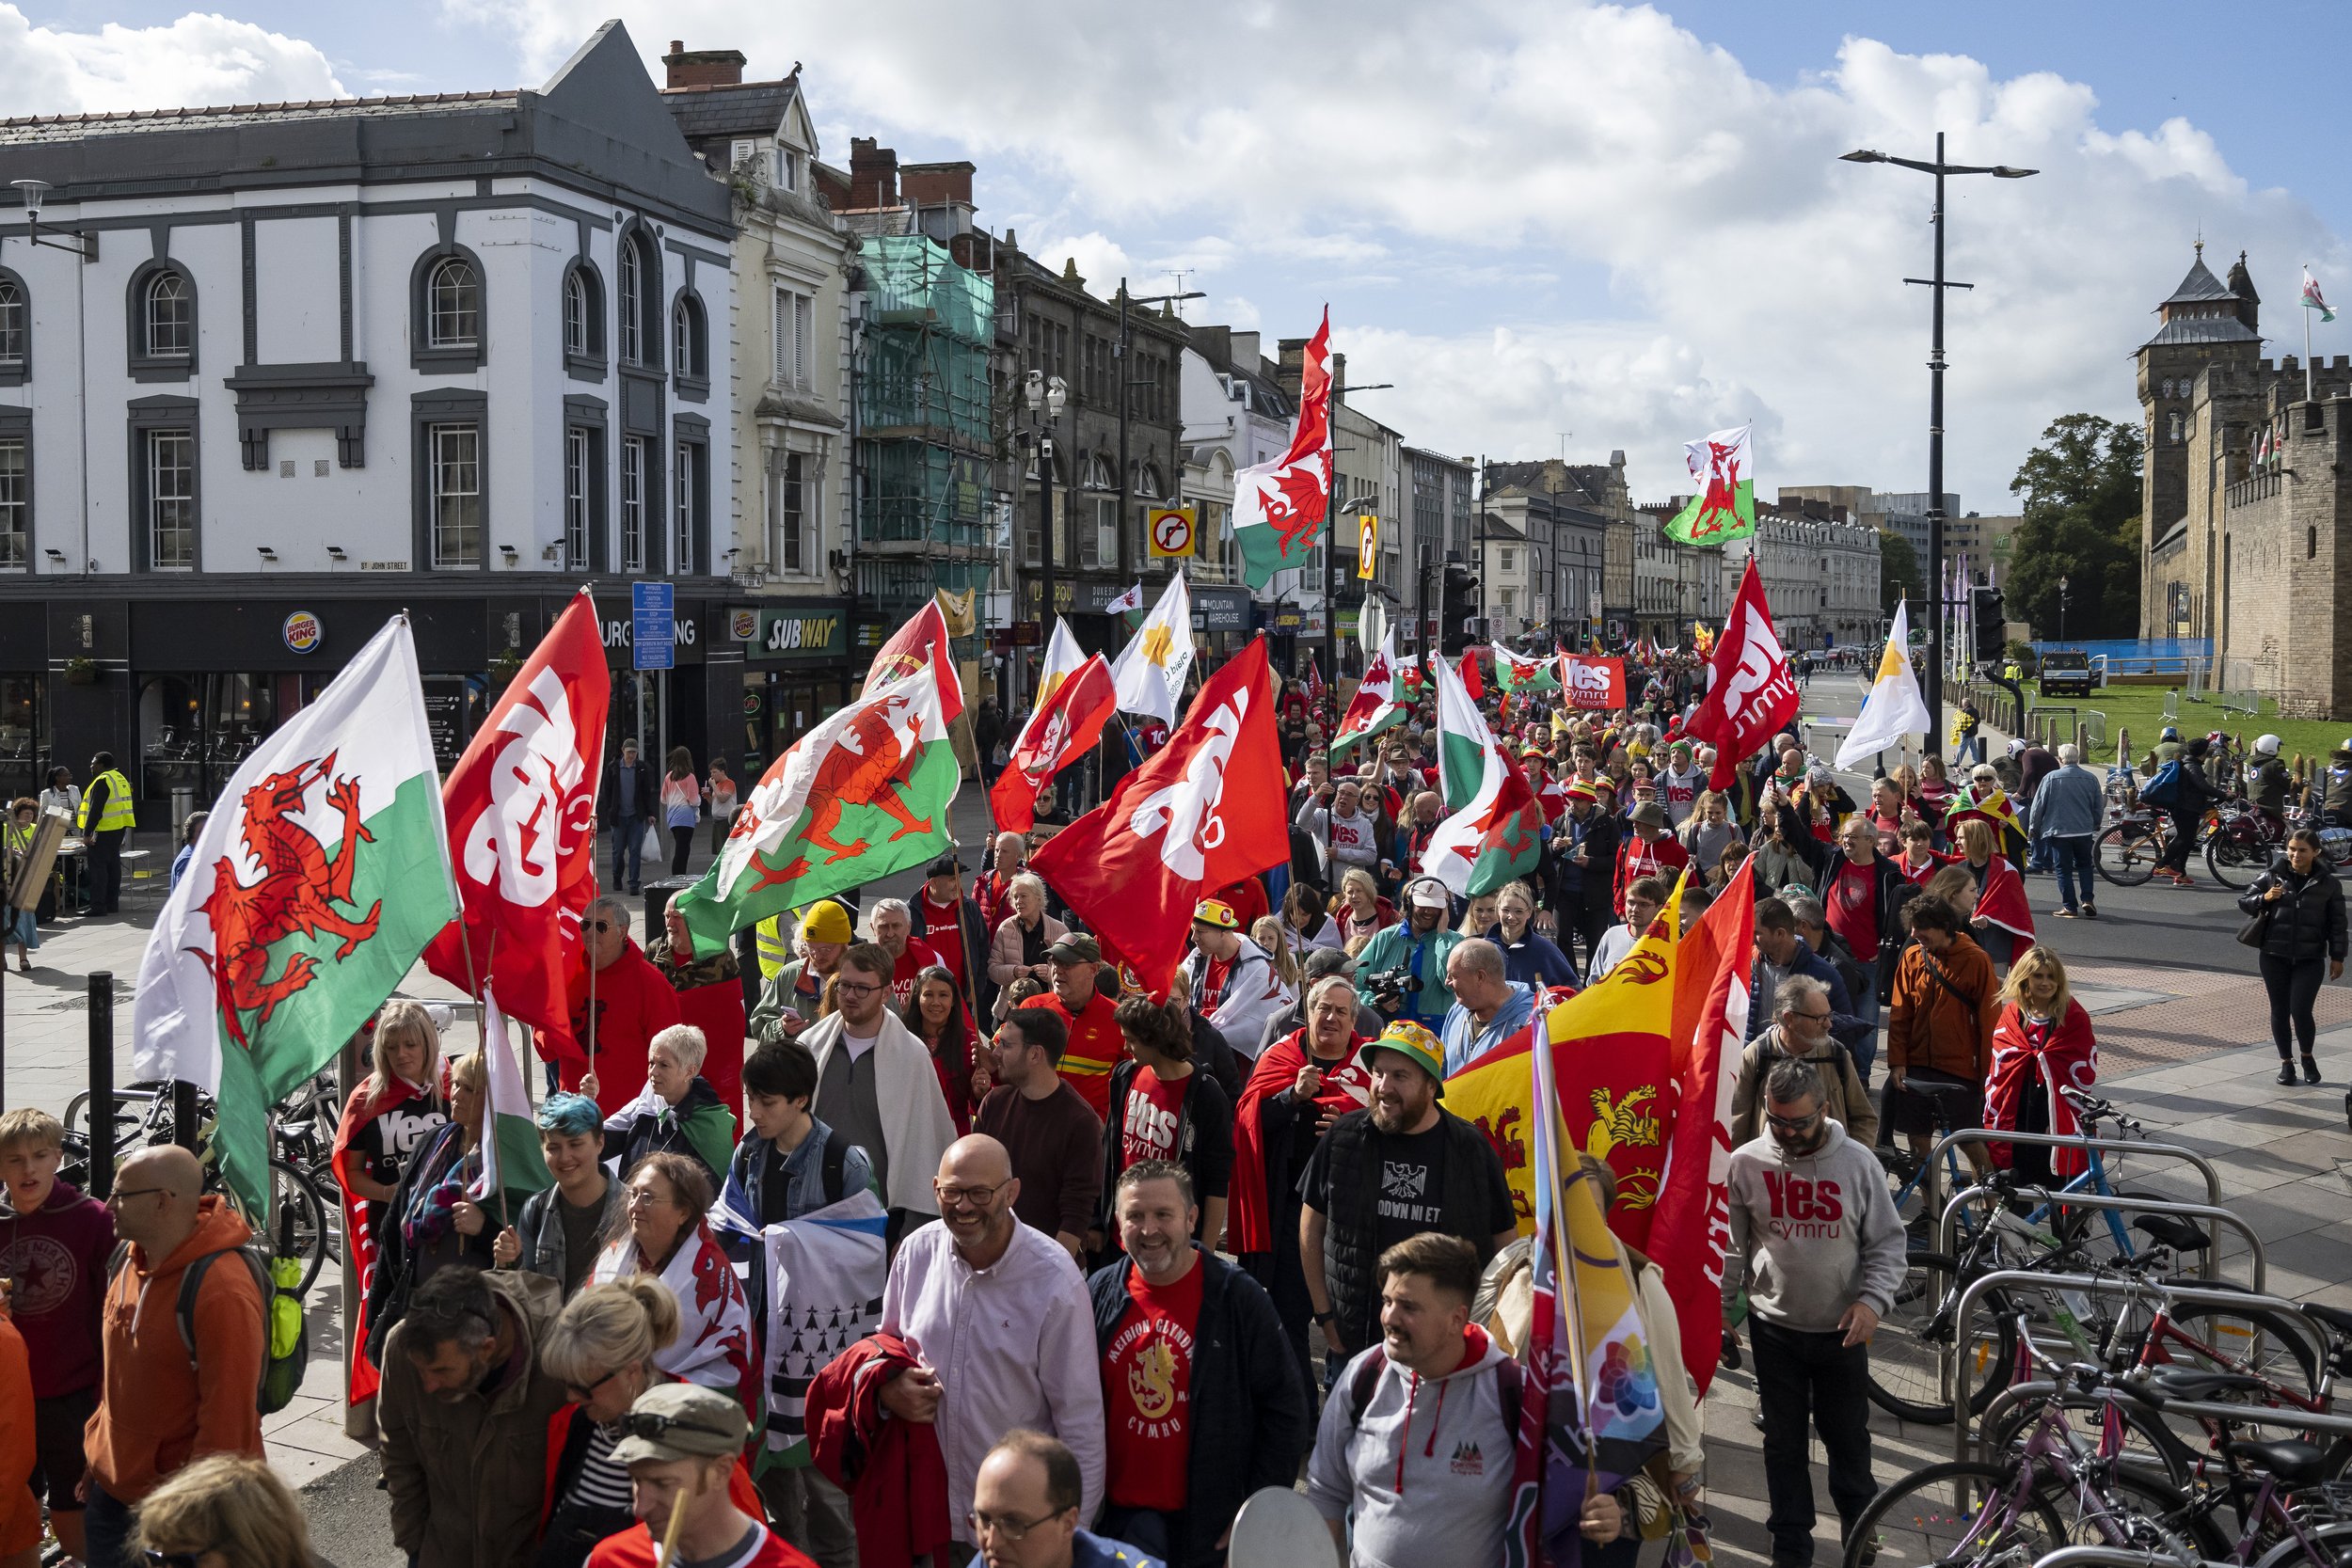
19,1511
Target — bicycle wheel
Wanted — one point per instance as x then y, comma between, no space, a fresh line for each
297,1213
1957,1515
2251,1339
2335,1543
2117,1507
2142,1447
2128,853
1906,1369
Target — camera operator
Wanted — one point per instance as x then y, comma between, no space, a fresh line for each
1400,972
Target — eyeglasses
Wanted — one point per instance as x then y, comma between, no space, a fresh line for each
1822,1017
973,1197
581,1396
600,925
851,988
646,1196
1793,1124
1006,1527
653,1427
122,1193
176,1559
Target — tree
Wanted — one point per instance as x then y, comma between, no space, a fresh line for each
2081,524
1899,574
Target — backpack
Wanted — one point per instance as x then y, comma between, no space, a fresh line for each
834,1156
2164,788
286,1337
1366,1381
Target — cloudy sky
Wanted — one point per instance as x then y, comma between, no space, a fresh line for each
1549,223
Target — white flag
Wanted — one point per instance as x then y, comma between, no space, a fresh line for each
1894,708
1132,599
511,1161
1062,657
1149,669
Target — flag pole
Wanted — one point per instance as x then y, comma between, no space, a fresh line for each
2307,343
480,991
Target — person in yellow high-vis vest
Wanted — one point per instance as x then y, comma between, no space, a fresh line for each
104,822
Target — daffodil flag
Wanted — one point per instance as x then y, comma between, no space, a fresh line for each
1894,710
1149,669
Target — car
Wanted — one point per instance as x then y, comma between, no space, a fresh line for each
2066,672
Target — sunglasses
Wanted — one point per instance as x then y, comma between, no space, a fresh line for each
600,925
1792,1124
155,1558
653,1427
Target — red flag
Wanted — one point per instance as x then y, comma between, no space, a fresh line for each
521,806
1595,684
1313,681
1059,732
1752,694
1691,1222
1189,821
924,637
1471,682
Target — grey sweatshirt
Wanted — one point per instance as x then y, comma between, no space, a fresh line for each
1426,1473
1819,1231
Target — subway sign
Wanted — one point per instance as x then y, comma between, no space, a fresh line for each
789,634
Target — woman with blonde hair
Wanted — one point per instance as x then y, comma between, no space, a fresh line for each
602,1349
2002,921
430,1222
1361,911
389,1117
1267,931
2043,1044
225,1511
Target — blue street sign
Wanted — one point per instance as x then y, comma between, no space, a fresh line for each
653,630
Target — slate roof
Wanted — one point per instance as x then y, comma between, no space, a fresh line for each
2200,286
2203,329
42,128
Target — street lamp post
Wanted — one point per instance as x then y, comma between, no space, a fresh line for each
1936,285
1045,396
2061,636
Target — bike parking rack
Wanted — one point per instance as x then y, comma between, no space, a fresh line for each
1963,1319
2113,1556
1934,1173
2213,1214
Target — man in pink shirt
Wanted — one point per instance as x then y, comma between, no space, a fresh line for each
999,1315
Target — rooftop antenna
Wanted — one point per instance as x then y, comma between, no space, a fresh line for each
1179,273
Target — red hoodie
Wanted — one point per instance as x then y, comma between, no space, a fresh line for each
58,1256
894,1471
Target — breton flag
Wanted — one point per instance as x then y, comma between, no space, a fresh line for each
1894,708
2311,297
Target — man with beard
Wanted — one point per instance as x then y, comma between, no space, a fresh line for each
1822,1250
1398,1169
1205,1404
465,1410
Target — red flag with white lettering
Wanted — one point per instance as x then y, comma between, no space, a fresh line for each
1690,1223
1752,694
1190,820
521,807
1594,684
924,637
1062,729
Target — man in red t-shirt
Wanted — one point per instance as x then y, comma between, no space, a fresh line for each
1095,1045
1190,1347
1649,851
693,1439
894,929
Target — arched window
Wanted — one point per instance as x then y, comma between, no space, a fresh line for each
2164,389
584,321
639,275
1098,474
454,303
16,328
1149,483
170,317
575,312
689,346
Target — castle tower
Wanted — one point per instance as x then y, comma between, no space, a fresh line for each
2204,322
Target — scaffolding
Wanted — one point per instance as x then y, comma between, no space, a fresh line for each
924,415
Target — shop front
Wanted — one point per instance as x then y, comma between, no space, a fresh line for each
796,667
690,704
1220,623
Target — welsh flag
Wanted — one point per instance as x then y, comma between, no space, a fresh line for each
1375,706
1518,675
2311,297
1722,465
1408,683
1278,506
319,877
859,797
1495,833
511,1161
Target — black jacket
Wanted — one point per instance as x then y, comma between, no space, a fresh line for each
1204,1136
1886,900
1249,1421
1350,1239
2307,921
1595,892
609,792
975,936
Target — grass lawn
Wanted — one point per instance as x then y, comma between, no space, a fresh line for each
2138,711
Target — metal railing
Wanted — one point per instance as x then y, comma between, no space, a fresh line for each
2213,1214
1963,1320
1931,1200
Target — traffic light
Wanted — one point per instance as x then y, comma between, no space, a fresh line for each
1990,625
1460,604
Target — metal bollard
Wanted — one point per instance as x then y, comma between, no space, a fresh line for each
101,1085
184,1127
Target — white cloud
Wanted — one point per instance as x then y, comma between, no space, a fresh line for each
196,61
1443,167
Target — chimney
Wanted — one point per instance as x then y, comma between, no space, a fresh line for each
873,175
937,184
703,67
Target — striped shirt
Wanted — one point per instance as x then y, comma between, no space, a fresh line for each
600,1483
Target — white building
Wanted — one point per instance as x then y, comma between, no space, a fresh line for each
1819,571
317,363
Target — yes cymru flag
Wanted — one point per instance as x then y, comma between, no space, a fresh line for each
1611,1061
1894,708
1494,835
1149,669
862,795
1278,506
317,881
1693,1220
1723,468
1374,707
1523,674
1593,685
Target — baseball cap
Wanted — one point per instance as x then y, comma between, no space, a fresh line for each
1075,948
1431,895
1217,912
826,920
681,1421
1414,1042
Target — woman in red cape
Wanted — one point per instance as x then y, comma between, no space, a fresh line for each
390,1113
1302,1082
2042,1043
2003,922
